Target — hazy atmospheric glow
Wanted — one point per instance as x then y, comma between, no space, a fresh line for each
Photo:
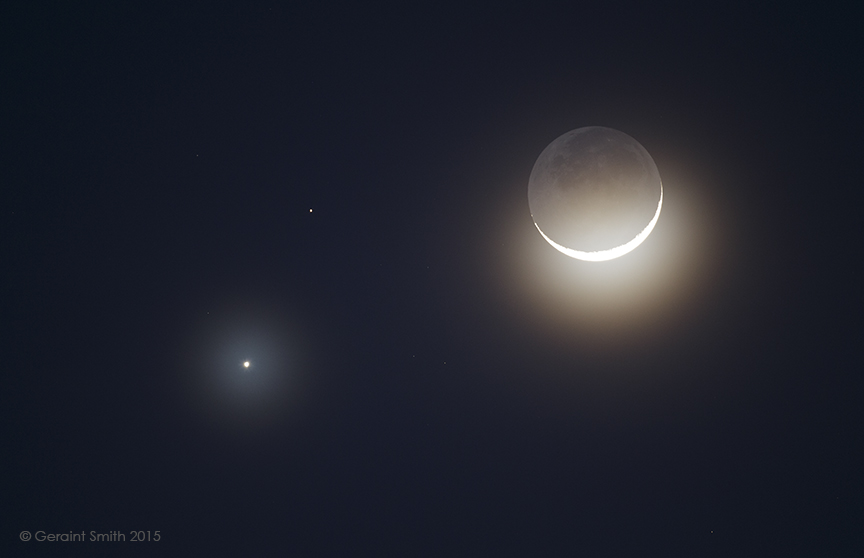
611,253
242,365
569,304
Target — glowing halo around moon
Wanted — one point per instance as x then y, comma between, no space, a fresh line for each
595,194
611,253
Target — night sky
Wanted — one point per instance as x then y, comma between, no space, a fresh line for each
337,193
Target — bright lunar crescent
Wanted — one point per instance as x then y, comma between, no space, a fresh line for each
595,194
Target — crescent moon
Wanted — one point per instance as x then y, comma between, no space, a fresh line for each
611,253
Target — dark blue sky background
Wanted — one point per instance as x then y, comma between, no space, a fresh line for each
430,379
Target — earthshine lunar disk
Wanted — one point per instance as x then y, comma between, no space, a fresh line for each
595,194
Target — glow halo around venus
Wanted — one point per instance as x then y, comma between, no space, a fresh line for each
595,194
611,253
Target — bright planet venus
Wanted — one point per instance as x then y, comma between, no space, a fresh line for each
595,194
